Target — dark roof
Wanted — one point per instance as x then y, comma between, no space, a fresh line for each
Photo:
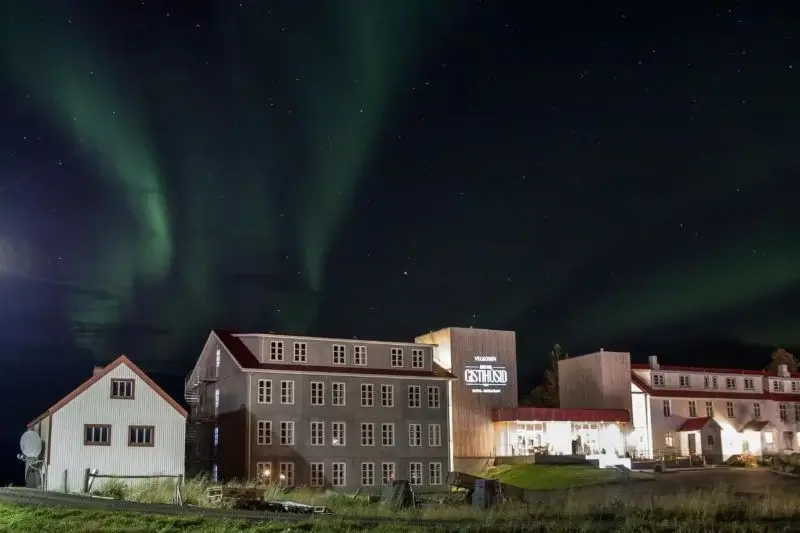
695,424
102,373
718,394
756,425
547,414
248,360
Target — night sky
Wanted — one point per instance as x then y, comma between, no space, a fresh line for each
621,178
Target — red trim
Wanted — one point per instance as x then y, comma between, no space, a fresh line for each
100,374
547,414
695,424
719,394
704,370
247,360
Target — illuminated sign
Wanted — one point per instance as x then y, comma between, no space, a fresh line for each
484,376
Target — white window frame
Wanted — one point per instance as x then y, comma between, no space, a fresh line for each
434,435
300,352
415,467
415,396
367,434
387,395
287,432
434,397
316,474
338,433
316,393
264,470
287,392
368,474
729,409
435,473
339,399
264,391
367,395
388,473
359,355
339,474
264,433
339,354
417,358
387,434
692,409
286,473
316,433
415,435
276,352
396,358
666,407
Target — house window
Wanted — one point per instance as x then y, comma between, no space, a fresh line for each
300,353
368,474
435,473
669,440
756,410
397,357
339,354
287,392
707,382
122,389
367,395
217,358
777,385
317,393
683,381
276,350
797,412
387,434
263,471
433,397
339,477
692,408
414,396
795,386
367,434
387,395
286,471
710,409
749,384
768,438
317,471
730,383
415,473
783,412
338,394
434,435
387,474
141,435
287,433
667,407
714,382
317,433
264,433
710,440
415,435
97,434
658,380
729,409
338,434
360,355
264,391
417,358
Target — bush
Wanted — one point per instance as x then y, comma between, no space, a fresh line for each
745,460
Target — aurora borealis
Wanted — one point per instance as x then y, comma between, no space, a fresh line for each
380,168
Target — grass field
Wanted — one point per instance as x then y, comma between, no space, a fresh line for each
709,511
554,477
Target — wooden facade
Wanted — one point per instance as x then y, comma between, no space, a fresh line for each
601,379
463,351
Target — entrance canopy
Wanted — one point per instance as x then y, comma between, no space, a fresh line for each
696,424
757,426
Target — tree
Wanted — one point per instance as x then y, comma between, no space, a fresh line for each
782,357
546,394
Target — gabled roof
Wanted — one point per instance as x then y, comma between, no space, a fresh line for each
121,360
247,360
695,424
757,425
661,392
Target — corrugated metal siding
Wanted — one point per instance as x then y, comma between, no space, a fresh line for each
94,406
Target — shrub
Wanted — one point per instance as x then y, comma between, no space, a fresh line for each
745,460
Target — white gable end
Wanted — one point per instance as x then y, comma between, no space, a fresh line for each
70,456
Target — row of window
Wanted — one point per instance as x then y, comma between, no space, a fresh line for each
339,354
339,393
712,382
286,473
338,434
783,410
100,435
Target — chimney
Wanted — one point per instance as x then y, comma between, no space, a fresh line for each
783,371
653,362
97,370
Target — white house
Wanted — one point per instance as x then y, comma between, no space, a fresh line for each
118,422
682,410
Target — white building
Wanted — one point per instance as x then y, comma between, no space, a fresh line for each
118,422
684,411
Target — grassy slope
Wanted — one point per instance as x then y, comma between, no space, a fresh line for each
551,477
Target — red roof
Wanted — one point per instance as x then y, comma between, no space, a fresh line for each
102,373
548,414
247,360
705,370
720,394
695,424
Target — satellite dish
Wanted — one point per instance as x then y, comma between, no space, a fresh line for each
30,444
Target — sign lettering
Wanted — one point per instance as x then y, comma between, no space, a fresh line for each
484,378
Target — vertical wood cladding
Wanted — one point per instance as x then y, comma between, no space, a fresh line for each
601,380
458,349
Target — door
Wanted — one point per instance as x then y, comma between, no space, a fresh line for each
692,438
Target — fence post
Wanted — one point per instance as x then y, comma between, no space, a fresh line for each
86,474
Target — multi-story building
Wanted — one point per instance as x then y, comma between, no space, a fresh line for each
319,412
678,410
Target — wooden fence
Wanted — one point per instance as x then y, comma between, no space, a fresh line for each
90,475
